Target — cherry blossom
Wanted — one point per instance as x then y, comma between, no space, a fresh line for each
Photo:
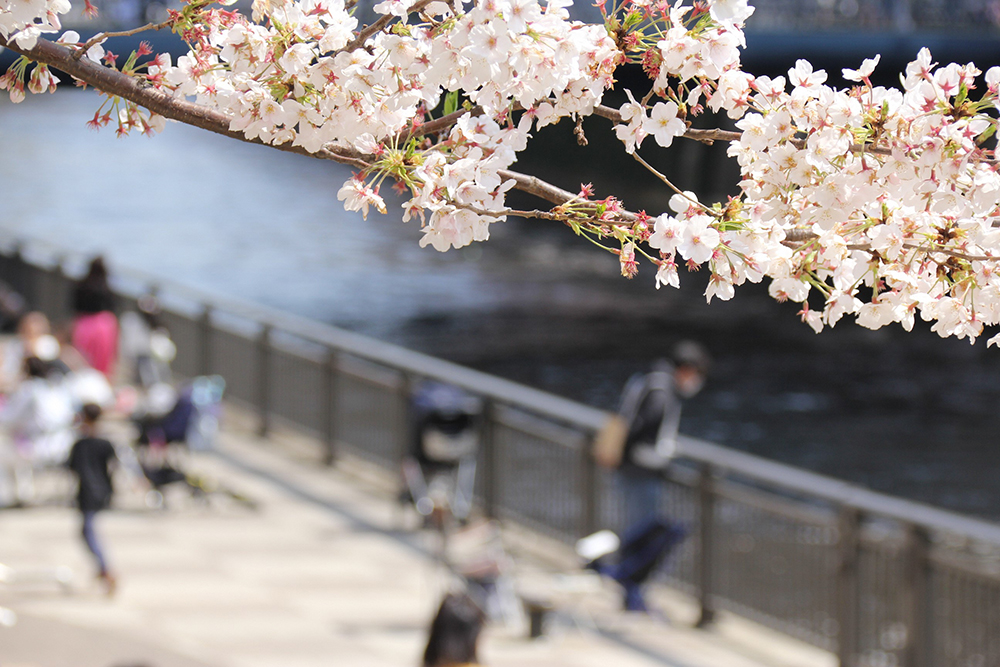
882,204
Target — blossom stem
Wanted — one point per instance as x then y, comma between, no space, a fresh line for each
673,187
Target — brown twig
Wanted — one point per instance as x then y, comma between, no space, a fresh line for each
709,137
797,237
379,25
666,181
550,193
704,136
165,104
438,124
101,36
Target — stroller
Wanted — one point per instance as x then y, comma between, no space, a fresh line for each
192,421
439,470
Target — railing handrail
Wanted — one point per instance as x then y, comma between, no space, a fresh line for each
841,493
723,459
419,364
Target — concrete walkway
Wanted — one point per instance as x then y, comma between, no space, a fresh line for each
323,572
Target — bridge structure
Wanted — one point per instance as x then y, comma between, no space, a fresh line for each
873,579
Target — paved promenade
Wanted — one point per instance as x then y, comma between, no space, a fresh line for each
324,572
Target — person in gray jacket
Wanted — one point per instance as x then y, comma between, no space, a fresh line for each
651,407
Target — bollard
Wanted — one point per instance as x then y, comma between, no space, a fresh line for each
537,610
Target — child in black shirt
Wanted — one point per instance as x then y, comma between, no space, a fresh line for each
91,459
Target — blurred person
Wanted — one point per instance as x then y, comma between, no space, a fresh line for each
39,415
439,469
92,459
145,345
95,327
454,632
651,408
31,328
12,308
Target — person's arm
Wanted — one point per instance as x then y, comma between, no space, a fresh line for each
632,397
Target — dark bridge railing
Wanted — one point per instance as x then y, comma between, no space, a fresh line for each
879,580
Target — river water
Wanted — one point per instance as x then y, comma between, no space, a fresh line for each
908,414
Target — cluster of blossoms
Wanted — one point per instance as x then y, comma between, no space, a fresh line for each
879,203
304,77
26,20
690,53
888,194
869,201
457,180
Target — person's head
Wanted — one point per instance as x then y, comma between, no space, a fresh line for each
149,308
454,632
691,364
32,326
97,272
90,413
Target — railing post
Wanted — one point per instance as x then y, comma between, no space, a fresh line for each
490,461
588,488
330,399
404,427
205,342
264,381
848,550
706,555
919,609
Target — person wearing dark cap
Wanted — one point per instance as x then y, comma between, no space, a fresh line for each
651,408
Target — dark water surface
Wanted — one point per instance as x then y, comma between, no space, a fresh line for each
909,414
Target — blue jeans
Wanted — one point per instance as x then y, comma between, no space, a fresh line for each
90,537
643,549
642,491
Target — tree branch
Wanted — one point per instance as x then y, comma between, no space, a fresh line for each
704,136
709,137
438,124
382,22
161,102
797,237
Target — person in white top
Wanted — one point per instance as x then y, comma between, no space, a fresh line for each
39,416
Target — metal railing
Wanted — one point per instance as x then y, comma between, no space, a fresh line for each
879,580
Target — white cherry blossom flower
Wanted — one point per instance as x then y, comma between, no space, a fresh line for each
863,72
664,124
